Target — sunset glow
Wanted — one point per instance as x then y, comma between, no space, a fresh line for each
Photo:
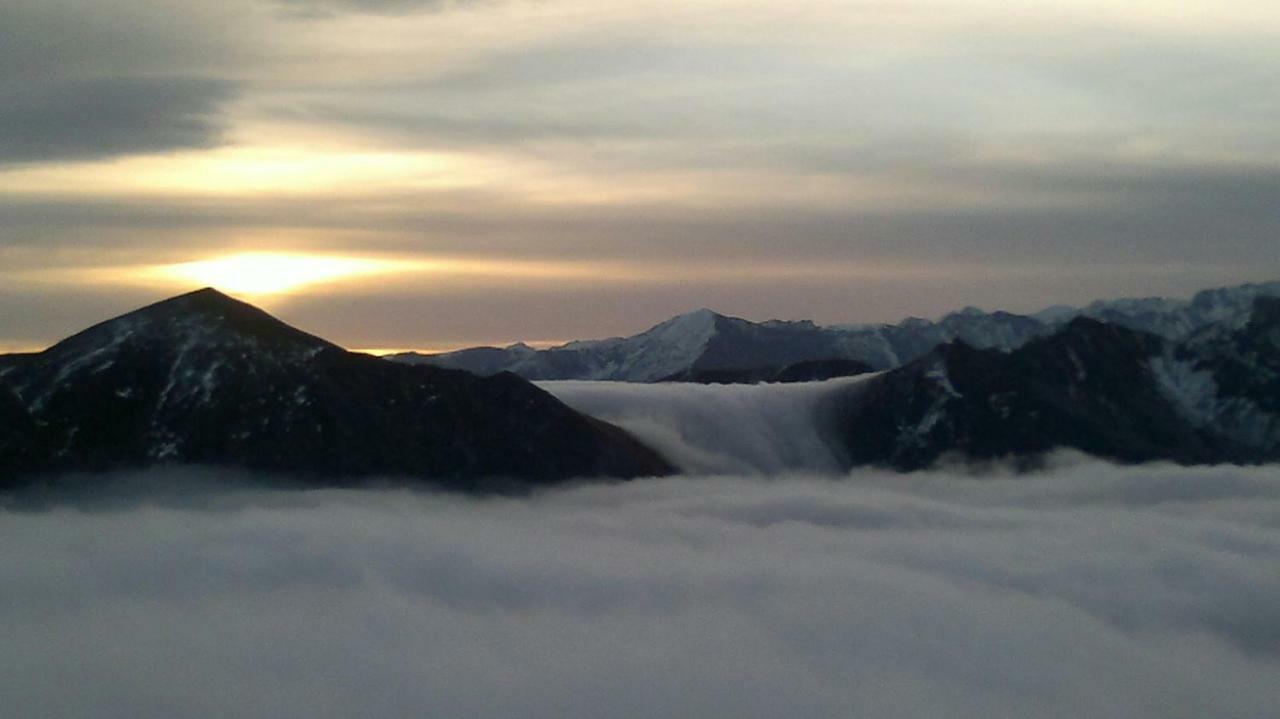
265,274
260,273
631,316
421,173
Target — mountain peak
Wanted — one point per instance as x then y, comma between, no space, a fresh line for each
205,316
203,300
970,311
207,379
206,292
701,314
701,317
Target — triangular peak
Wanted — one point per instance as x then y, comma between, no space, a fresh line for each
693,326
702,313
206,312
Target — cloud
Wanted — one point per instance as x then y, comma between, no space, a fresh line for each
762,429
325,8
1049,89
1089,590
1111,151
86,82
87,119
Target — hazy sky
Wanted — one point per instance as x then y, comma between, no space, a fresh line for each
432,173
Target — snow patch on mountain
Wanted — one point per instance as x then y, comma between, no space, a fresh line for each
662,351
1227,307
1191,390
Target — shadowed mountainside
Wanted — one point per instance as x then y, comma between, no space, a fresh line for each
1092,386
203,378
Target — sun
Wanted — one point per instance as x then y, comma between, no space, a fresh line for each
272,273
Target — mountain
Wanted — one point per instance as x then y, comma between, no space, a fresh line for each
1228,380
1175,318
707,346
206,379
18,441
203,378
1103,388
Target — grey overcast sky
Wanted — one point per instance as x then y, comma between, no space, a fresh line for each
437,173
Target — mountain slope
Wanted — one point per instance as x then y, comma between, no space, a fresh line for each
1229,380
18,441
203,378
1177,319
1101,388
663,350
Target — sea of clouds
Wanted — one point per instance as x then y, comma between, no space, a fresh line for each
1088,590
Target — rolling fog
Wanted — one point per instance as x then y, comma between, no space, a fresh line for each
1087,590
760,429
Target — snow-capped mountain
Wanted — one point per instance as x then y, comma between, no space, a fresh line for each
1211,396
202,378
1176,318
205,379
705,343
706,346
668,348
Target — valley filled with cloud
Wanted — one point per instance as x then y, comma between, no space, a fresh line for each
1087,589
473,190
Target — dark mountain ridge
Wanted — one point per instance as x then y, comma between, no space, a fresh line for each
205,379
1097,387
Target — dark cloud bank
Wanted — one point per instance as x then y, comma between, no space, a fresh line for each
1090,590
87,119
85,81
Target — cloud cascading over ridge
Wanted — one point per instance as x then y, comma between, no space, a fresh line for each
1088,590
766,429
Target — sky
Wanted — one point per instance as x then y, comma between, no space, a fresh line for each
440,173
1089,590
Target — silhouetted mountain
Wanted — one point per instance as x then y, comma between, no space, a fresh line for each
706,346
1093,386
18,441
202,378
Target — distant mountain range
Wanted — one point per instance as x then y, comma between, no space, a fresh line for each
707,346
206,379
203,378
